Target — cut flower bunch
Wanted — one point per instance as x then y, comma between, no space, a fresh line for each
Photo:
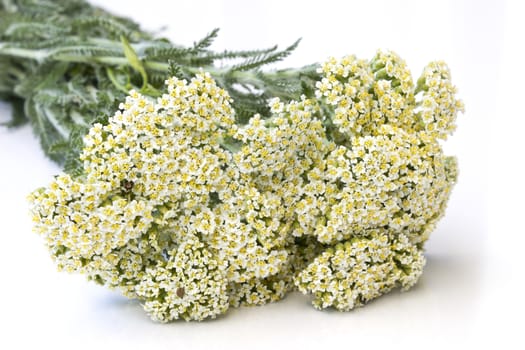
194,187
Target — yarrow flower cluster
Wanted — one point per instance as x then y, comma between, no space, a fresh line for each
361,269
191,212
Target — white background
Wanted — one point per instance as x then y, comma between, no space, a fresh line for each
471,293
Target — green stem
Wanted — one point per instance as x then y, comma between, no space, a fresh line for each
248,77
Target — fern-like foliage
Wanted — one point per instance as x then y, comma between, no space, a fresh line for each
106,26
65,64
205,42
264,58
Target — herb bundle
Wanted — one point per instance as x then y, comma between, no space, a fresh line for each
195,187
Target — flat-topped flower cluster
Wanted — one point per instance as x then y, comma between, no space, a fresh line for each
191,213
